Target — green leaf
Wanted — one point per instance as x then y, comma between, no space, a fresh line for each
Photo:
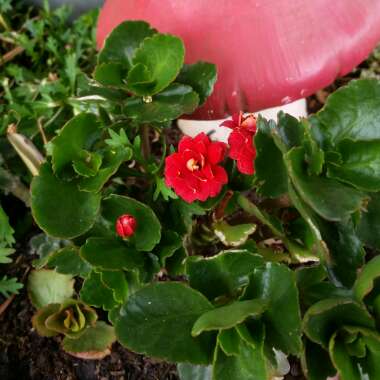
120,46
6,231
228,316
97,339
348,370
313,356
59,208
249,364
76,136
275,284
351,113
44,246
169,244
365,281
39,319
95,293
359,166
4,255
68,261
328,198
110,74
346,250
222,274
194,372
47,286
87,164
233,236
229,341
201,76
117,282
369,225
148,231
112,159
9,286
168,105
269,165
325,317
314,155
156,64
157,321
111,254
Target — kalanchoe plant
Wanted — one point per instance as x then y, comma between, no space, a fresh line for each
264,243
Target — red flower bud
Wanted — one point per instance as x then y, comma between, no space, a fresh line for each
126,225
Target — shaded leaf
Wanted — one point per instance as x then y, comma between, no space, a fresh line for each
47,286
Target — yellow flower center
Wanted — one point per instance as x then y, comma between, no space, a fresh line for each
192,164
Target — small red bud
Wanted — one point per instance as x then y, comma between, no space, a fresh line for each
126,225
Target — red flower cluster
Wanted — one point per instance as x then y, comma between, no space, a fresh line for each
193,172
241,141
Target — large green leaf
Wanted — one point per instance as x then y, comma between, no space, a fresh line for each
323,319
95,293
111,254
269,165
121,44
148,231
117,282
228,316
352,112
249,364
68,261
156,63
327,197
77,135
59,208
169,104
276,285
369,225
359,166
201,76
222,274
157,321
47,286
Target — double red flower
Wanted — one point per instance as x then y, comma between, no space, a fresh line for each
241,141
193,172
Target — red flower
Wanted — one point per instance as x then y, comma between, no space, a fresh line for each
193,172
241,141
126,225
